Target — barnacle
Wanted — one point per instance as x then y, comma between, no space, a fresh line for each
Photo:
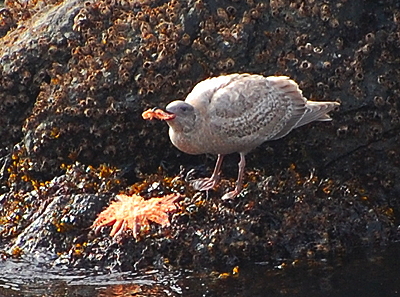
305,65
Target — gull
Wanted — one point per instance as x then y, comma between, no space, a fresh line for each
234,114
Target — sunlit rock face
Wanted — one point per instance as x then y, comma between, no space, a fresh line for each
75,77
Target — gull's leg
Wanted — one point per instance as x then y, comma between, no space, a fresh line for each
239,182
204,184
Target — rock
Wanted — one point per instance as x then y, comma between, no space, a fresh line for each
76,75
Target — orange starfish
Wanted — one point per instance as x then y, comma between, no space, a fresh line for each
134,213
155,113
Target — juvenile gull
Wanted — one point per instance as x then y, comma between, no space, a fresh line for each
236,113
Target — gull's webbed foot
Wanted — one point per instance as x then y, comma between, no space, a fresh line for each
204,184
231,194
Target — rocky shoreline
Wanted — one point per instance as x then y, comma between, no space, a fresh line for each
75,77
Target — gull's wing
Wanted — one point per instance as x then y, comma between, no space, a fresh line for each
266,107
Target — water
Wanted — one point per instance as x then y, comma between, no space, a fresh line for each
361,274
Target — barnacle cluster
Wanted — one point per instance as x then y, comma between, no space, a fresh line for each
115,59
75,77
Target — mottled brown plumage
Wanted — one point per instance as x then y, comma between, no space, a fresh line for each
236,113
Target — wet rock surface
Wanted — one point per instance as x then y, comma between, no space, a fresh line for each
75,77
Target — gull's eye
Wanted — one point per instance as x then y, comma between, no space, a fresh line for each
185,108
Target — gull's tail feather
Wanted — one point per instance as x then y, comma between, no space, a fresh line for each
316,111
303,111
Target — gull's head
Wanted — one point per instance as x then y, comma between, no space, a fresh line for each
185,116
